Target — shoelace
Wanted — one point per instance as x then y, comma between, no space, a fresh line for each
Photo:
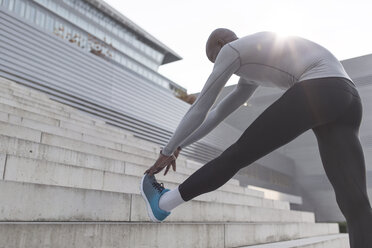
158,186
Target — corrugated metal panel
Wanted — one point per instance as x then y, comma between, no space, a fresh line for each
123,98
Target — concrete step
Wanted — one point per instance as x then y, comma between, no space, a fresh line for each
20,132
97,123
97,129
275,195
27,170
51,125
39,202
86,135
21,113
23,97
9,122
92,130
38,97
30,97
64,118
340,240
39,108
17,90
58,109
93,156
8,84
34,96
94,179
61,110
59,203
121,234
106,152
36,122
193,165
109,134
34,150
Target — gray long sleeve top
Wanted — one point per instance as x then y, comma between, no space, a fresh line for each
260,59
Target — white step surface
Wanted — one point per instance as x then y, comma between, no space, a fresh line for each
48,173
275,195
108,128
43,109
66,133
30,126
326,241
76,153
163,235
49,106
28,149
39,108
40,123
62,112
94,130
38,202
90,171
16,90
69,125
58,203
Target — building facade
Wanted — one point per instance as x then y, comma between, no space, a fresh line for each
94,27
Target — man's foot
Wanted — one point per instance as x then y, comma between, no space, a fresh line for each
151,192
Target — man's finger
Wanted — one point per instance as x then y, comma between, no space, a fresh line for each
166,170
174,165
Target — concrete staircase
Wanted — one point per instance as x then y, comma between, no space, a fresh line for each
70,180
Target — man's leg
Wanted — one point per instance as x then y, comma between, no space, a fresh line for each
343,161
296,111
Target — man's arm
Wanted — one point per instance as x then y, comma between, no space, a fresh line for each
242,92
226,64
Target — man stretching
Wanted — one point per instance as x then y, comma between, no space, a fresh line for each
319,95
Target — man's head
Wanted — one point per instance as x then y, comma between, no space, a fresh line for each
217,39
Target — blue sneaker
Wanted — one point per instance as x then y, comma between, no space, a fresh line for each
151,191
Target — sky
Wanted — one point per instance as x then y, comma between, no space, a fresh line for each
343,27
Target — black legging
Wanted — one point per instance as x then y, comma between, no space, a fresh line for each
332,108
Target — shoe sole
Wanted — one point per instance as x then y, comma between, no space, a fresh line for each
148,206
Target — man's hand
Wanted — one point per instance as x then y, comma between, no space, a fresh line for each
176,152
164,161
